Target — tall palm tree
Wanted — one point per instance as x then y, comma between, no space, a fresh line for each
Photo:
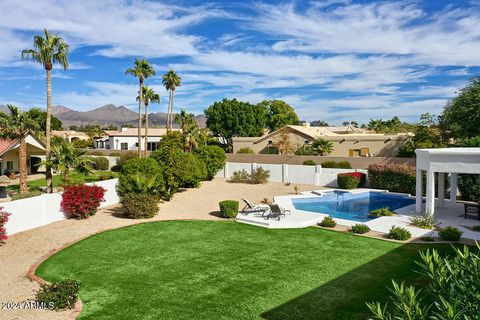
142,70
189,128
149,95
170,81
47,51
18,125
66,157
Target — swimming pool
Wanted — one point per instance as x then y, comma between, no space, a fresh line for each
352,206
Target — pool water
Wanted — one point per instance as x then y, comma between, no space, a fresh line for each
355,207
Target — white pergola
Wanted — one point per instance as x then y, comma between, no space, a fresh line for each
443,161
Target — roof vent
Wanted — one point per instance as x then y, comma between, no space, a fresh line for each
306,125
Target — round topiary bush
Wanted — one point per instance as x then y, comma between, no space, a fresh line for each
398,233
139,205
229,208
329,164
344,165
359,228
328,222
450,233
309,162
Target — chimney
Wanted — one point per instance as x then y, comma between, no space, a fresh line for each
306,124
124,129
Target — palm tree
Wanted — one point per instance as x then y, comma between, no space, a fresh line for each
142,70
149,95
18,125
171,80
48,50
66,157
322,146
189,128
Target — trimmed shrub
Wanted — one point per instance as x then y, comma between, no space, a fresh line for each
124,157
240,176
214,158
3,221
450,233
330,164
229,208
81,201
476,228
344,165
392,177
140,175
359,228
469,187
59,295
259,176
309,163
100,163
245,150
305,150
351,180
139,205
328,222
428,239
398,233
382,212
423,221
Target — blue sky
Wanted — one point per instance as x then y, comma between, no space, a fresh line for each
333,60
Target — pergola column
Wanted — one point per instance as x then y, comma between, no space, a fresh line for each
453,187
441,189
418,192
430,206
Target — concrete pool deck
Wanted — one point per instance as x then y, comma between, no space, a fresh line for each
451,214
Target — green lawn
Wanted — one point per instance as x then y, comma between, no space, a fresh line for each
228,270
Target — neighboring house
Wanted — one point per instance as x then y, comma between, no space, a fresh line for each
347,142
70,135
9,154
127,139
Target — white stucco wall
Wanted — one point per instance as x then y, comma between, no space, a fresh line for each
115,142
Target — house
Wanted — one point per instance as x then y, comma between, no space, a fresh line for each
127,139
347,142
70,135
9,161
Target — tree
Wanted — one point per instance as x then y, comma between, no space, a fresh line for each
214,158
279,114
18,125
66,157
170,81
55,123
322,146
462,114
283,143
319,123
48,50
233,118
149,95
375,124
189,128
142,70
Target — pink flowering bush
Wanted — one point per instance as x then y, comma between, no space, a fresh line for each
81,201
392,177
3,220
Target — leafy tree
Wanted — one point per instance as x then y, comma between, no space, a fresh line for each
171,80
142,69
18,125
469,184
233,118
427,134
173,139
214,158
319,123
149,95
283,143
140,176
462,114
47,51
55,123
279,114
66,157
322,146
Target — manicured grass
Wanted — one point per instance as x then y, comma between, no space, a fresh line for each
228,270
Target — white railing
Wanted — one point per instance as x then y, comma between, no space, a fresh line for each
38,211
301,174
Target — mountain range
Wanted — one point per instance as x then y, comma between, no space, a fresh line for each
108,115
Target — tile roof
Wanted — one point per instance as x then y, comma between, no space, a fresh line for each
6,144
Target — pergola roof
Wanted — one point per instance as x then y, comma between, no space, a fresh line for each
450,160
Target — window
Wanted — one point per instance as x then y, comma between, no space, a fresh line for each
123,146
9,165
152,146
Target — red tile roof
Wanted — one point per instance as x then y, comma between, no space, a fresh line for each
5,144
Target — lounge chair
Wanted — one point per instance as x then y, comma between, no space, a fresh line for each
277,212
471,208
251,207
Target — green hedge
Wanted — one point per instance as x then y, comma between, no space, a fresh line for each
309,163
351,180
229,208
469,187
392,177
330,164
214,158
